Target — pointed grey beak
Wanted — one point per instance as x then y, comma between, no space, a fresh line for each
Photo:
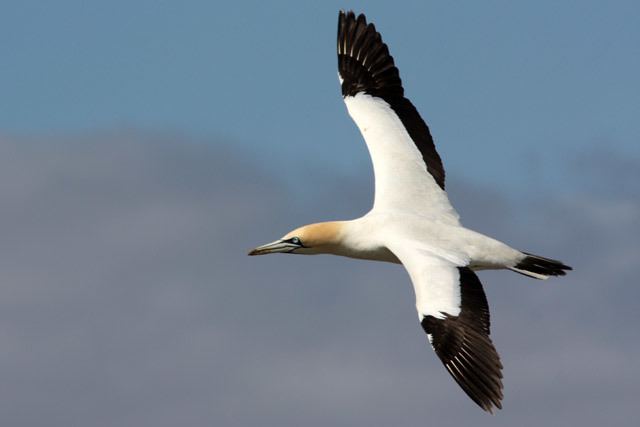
274,247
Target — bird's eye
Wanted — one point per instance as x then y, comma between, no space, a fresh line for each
295,241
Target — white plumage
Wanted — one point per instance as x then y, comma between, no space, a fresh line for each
402,181
412,221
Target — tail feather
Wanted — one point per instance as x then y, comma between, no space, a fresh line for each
540,267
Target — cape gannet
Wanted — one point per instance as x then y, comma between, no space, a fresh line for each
412,222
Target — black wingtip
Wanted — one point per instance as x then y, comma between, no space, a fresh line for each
348,14
463,345
364,62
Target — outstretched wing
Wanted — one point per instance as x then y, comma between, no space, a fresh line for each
408,170
454,313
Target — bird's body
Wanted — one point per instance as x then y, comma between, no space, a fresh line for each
412,221
371,236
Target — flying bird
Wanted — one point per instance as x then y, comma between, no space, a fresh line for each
412,221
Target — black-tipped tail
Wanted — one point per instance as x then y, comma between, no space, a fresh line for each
539,267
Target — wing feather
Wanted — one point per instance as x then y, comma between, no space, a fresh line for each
454,312
404,156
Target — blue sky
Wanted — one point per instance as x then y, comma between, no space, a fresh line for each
145,146
509,89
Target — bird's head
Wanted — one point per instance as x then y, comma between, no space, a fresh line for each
308,240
